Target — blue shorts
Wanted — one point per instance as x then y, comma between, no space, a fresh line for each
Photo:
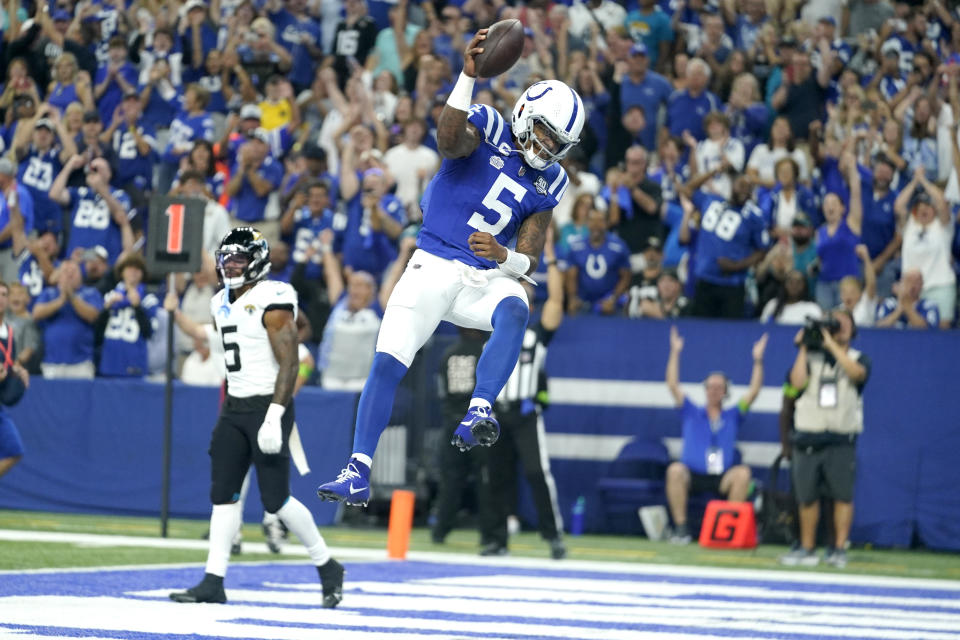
11,446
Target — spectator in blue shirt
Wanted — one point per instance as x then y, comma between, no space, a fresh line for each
907,308
650,25
880,221
192,123
687,108
307,216
114,77
198,38
598,273
374,222
299,33
126,322
709,438
66,313
644,88
838,237
745,26
253,177
136,150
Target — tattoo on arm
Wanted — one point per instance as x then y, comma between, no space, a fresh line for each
532,235
456,138
282,331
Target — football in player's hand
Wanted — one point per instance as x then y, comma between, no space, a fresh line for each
501,49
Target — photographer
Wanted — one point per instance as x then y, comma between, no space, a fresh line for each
827,419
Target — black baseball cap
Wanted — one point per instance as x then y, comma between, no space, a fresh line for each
91,116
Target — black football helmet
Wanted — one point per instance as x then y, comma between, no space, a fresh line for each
248,242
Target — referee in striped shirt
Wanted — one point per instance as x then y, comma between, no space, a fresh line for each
521,431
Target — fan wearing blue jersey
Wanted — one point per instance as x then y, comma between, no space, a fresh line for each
126,321
599,272
498,182
732,238
99,214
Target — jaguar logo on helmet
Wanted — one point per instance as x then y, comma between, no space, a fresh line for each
243,244
559,111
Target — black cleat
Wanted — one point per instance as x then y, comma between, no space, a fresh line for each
210,589
331,577
558,551
494,549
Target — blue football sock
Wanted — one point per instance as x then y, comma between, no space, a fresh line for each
376,402
500,355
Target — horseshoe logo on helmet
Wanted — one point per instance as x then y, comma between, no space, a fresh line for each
542,93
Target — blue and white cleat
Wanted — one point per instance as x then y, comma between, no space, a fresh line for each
351,487
478,427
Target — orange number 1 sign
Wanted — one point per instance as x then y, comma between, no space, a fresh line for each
175,228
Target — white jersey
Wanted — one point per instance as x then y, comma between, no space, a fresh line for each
251,366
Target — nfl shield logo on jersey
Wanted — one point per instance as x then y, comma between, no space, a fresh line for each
541,185
496,162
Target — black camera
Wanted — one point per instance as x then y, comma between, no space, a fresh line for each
813,331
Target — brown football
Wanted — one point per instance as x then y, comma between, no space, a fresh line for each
501,49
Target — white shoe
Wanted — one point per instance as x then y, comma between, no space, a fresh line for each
800,557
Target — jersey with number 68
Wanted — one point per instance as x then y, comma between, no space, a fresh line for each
251,366
491,190
726,231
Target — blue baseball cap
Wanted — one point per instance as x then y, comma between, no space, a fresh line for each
829,20
62,15
638,49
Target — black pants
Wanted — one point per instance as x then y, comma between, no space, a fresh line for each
233,446
718,301
458,472
519,440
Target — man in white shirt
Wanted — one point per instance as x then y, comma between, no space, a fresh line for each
201,368
412,164
719,154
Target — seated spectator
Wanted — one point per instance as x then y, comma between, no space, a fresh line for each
792,305
907,308
598,272
927,230
100,215
29,344
666,300
203,367
709,438
65,314
126,321
766,156
731,239
838,237
860,298
718,155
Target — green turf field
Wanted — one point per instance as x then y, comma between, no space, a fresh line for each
36,555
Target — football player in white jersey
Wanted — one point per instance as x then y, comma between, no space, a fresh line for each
256,320
497,185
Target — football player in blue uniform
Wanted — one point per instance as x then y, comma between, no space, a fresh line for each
498,182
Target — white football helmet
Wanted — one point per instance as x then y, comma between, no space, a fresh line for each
559,109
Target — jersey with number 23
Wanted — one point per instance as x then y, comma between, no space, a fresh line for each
491,190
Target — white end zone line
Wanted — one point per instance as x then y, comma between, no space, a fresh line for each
296,551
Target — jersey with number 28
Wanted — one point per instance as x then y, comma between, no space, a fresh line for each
726,231
491,190
251,366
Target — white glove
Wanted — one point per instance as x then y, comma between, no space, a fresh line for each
270,436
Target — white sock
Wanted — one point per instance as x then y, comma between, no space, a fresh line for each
299,520
269,518
225,520
364,458
479,402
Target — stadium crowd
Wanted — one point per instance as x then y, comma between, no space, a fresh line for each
741,159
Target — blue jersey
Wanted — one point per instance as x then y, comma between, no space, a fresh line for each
699,436
161,109
929,311
649,94
363,248
30,275
62,96
686,113
837,253
598,268
68,338
113,95
214,86
25,202
290,35
247,205
131,164
306,231
726,232
879,221
37,172
124,351
91,223
184,130
490,190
